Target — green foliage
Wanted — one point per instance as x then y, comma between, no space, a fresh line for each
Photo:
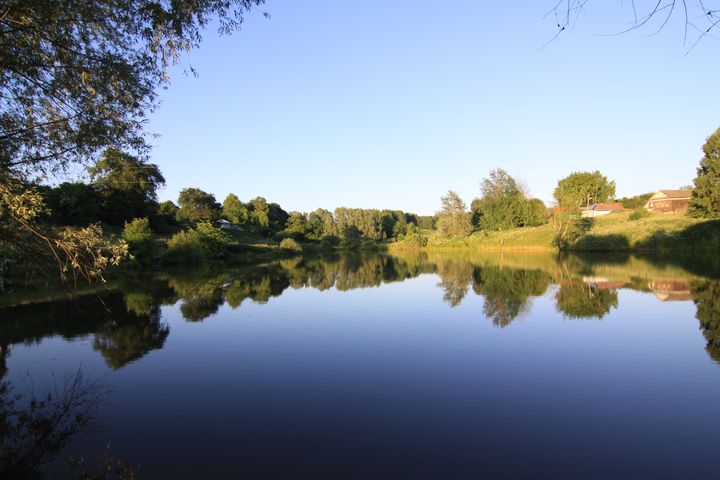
580,189
197,206
260,213
298,226
453,219
290,245
534,213
79,78
705,202
73,203
127,186
503,204
139,237
580,300
234,210
76,252
166,216
638,213
636,201
706,295
426,222
196,245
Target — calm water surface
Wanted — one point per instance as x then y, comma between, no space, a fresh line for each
409,366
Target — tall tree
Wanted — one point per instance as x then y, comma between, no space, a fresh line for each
582,189
127,185
705,201
197,206
234,210
453,218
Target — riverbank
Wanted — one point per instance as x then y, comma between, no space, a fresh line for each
615,232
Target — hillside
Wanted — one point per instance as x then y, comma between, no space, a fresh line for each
659,232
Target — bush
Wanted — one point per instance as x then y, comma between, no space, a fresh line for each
639,213
197,245
139,237
290,245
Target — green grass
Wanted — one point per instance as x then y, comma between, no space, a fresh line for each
658,232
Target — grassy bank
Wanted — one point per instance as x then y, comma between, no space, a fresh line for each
614,232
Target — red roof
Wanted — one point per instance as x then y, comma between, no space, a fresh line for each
606,207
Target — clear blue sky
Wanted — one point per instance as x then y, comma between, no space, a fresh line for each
390,104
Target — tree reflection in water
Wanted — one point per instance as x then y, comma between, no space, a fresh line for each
507,291
706,295
126,323
577,299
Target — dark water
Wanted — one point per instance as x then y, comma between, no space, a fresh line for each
413,366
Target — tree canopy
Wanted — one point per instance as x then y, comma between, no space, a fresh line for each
127,185
705,201
80,76
582,189
453,218
197,206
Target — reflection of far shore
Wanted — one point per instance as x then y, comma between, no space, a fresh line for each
125,323
667,290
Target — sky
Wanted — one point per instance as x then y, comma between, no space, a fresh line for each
391,104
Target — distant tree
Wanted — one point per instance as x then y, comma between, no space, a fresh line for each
260,213
167,213
534,213
197,206
234,210
705,200
321,223
73,203
636,201
138,236
297,225
278,217
577,300
504,204
453,219
426,221
582,189
499,184
127,185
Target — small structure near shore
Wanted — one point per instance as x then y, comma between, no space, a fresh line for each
667,201
600,209
225,225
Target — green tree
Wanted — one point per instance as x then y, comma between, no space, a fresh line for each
453,219
582,189
167,214
504,204
234,210
80,77
297,225
139,237
127,185
73,203
197,206
260,213
705,201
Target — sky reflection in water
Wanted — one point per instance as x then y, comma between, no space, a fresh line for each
417,365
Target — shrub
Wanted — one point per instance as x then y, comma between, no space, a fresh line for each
639,213
290,245
196,245
138,236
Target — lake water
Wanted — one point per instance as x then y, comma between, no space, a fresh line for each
409,366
